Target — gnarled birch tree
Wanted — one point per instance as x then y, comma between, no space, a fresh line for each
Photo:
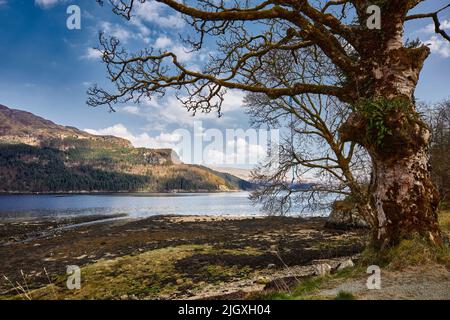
379,74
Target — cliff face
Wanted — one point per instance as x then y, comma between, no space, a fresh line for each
37,155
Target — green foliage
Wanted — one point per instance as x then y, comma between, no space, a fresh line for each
415,43
83,165
343,295
308,285
376,112
27,168
409,252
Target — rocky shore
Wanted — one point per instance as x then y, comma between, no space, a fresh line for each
166,257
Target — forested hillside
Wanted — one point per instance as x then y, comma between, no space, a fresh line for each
37,155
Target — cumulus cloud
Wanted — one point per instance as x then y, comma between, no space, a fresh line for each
163,140
430,28
163,42
169,110
239,151
223,149
116,30
183,54
157,13
439,46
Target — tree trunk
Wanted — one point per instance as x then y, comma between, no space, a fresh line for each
404,199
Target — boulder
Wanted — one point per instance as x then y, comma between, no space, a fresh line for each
346,264
344,215
322,270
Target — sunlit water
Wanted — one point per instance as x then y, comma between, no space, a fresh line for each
134,205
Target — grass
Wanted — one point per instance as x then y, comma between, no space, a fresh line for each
411,252
343,295
309,287
149,275
153,274
306,287
444,222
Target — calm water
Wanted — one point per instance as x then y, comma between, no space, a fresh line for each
135,205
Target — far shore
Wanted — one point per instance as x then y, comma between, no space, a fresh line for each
83,192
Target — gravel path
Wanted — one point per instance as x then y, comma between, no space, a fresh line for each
428,282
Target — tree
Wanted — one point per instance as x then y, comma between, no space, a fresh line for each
439,122
379,73
310,145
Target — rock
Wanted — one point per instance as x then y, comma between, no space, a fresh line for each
322,270
262,280
346,264
344,215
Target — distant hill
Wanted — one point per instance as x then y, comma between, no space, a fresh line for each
37,155
244,174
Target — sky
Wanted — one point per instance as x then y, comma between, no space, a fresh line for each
45,68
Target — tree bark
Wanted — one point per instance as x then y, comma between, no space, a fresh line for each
404,199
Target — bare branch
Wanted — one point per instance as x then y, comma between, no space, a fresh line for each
434,16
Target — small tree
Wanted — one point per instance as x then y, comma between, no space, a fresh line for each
379,74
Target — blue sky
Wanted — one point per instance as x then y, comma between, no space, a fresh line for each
46,68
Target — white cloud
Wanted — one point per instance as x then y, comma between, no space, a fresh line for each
239,151
143,29
162,42
234,99
182,53
115,30
430,28
87,84
130,109
166,111
154,12
163,140
229,151
92,54
46,3
439,46
170,111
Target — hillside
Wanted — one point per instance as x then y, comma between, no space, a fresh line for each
37,155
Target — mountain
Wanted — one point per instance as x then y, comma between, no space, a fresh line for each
244,174
37,155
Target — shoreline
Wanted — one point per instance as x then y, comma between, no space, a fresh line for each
19,193
180,256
